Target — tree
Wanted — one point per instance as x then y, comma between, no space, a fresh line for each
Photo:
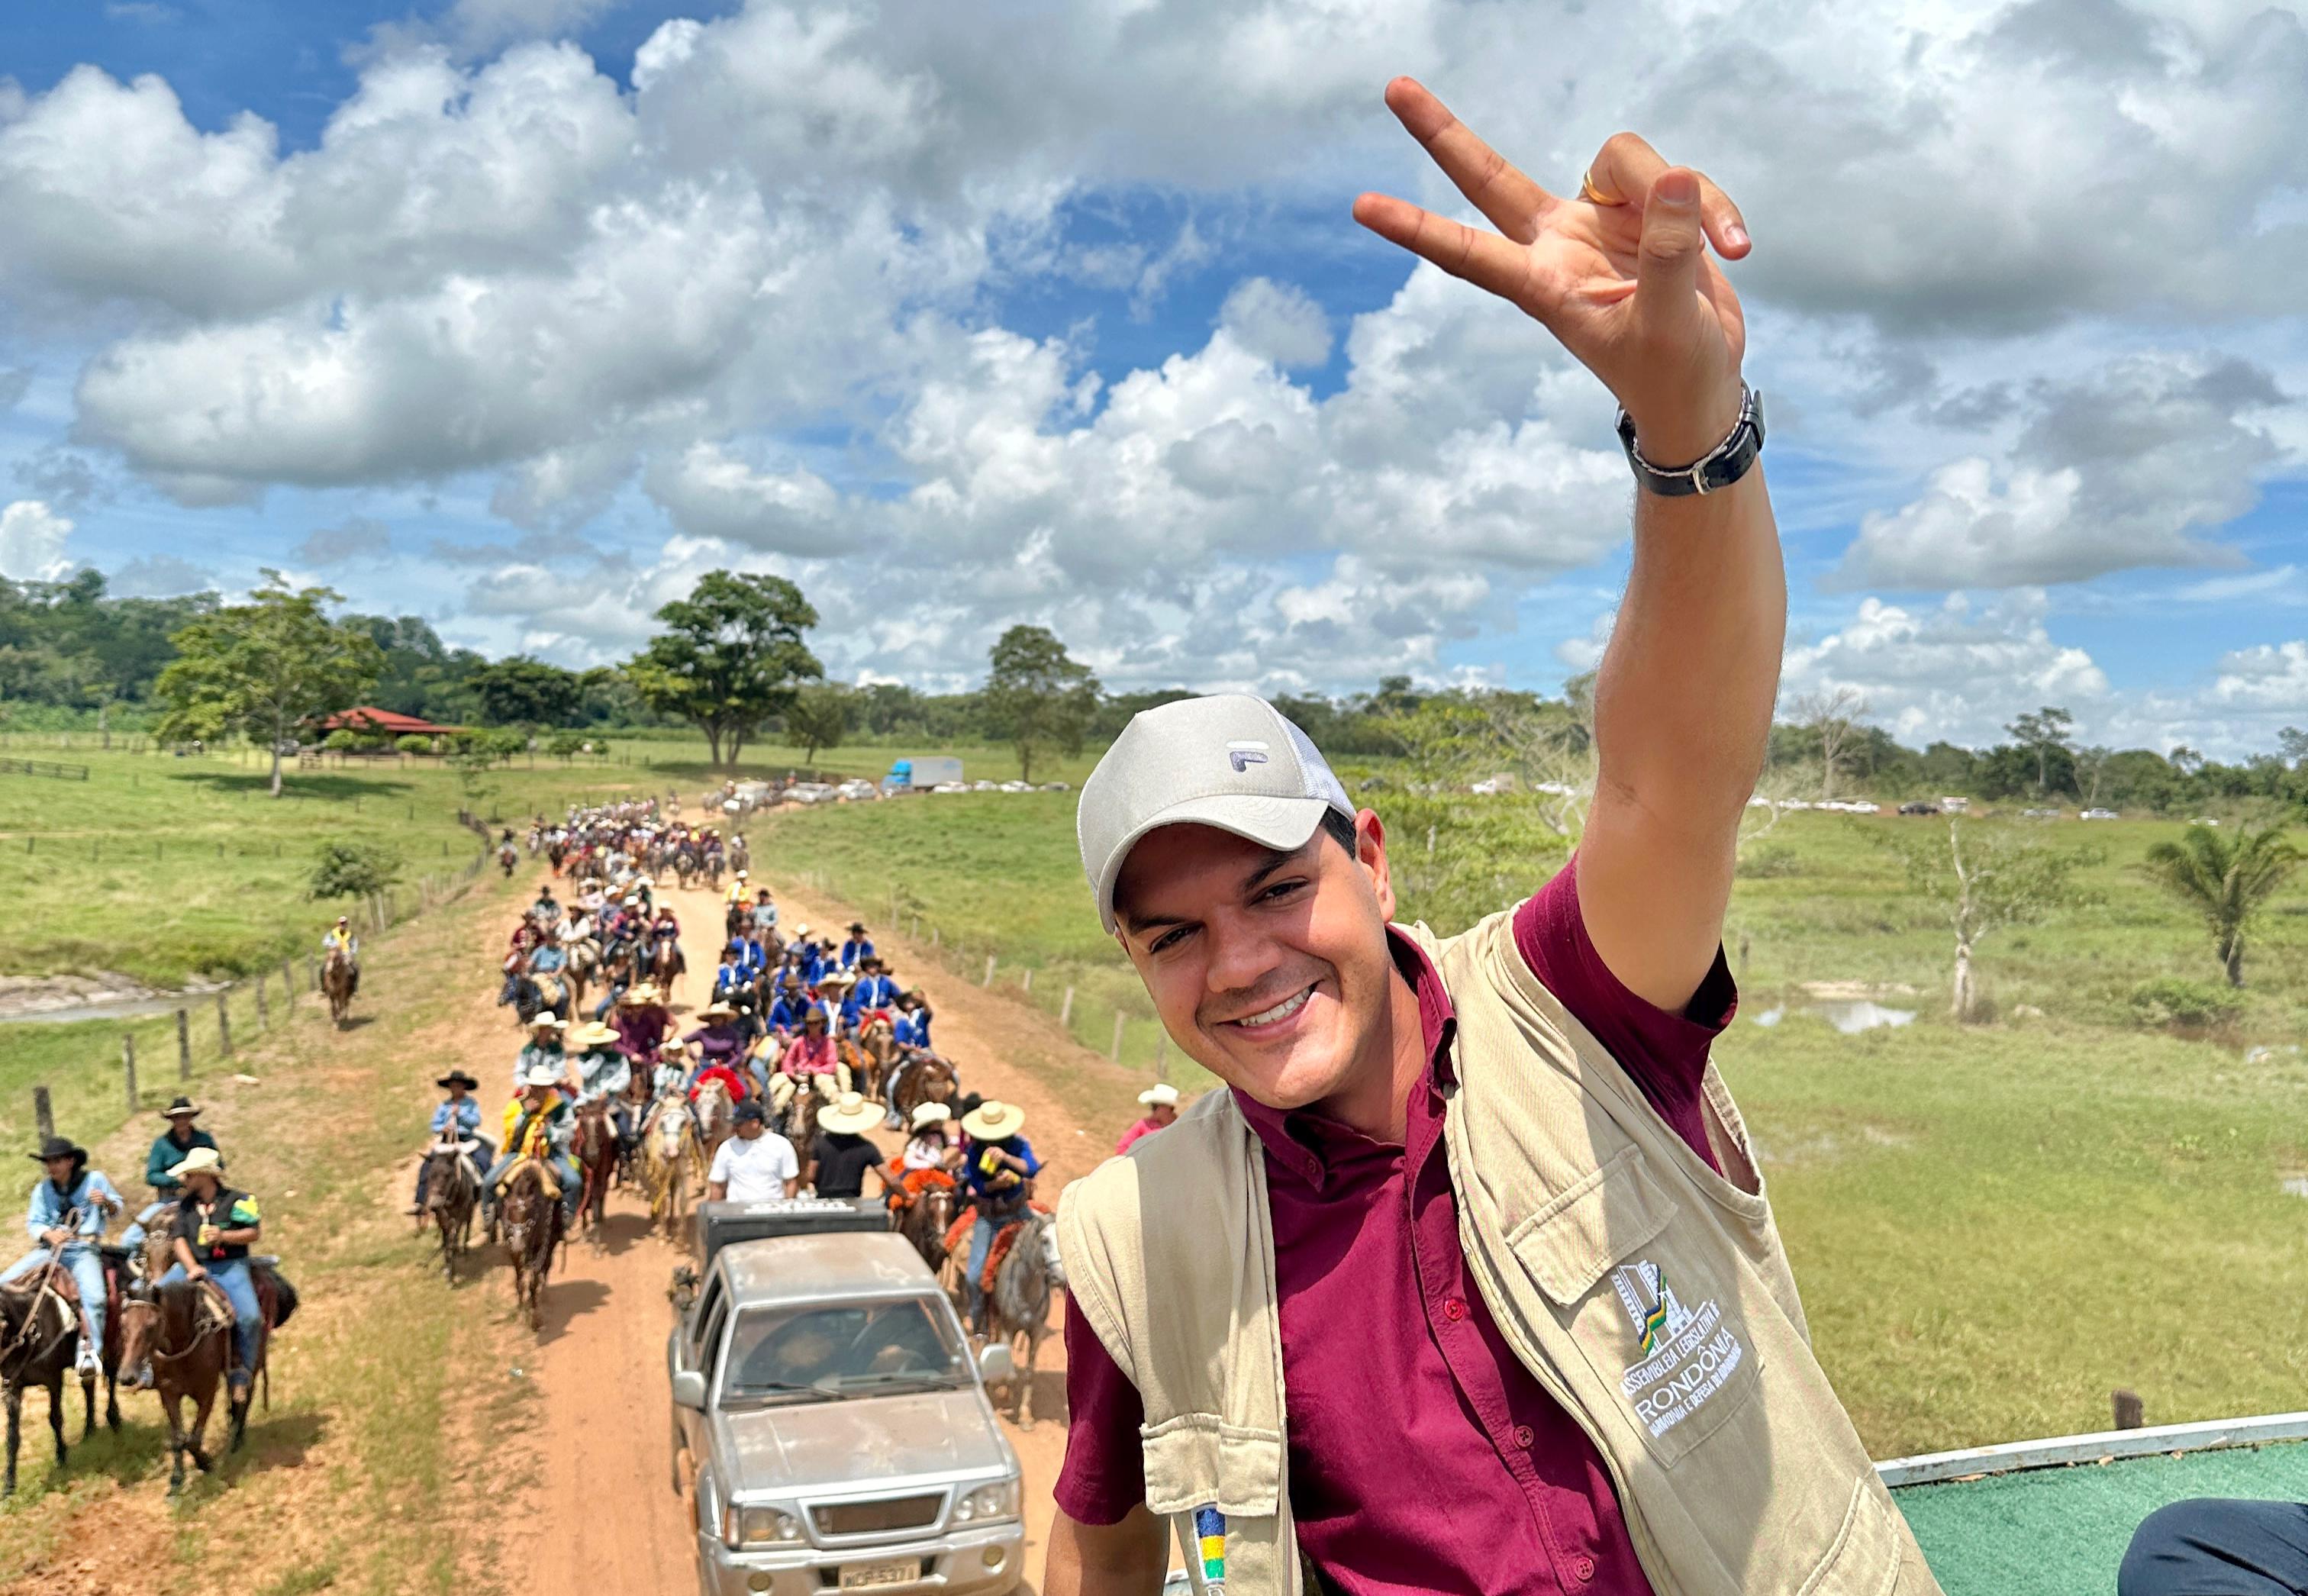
2225,882
2292,746
2043,734
819,718
1985,878
520,691
1832,718
730,657
265,667
1037,698
351,868
2092,768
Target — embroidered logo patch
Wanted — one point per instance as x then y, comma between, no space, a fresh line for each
1242,756
1684,1354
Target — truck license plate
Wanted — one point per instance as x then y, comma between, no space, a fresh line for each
868,1576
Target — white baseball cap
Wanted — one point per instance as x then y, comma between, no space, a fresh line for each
1231,761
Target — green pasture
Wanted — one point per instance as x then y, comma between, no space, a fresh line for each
1994,1225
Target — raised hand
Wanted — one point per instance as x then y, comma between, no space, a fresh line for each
1621,275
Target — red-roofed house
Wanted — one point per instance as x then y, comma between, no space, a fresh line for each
377,722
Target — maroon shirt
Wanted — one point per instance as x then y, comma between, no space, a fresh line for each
1423,1455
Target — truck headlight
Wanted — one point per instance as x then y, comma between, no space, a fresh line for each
998,1500
758,1526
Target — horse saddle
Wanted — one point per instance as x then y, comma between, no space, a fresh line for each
59,1282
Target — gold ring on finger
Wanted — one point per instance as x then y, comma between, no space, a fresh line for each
1592,194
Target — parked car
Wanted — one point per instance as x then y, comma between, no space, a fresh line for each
1017,786
2099,814
858,790
952,787
1055,787
2039,813
1919,807
832,1429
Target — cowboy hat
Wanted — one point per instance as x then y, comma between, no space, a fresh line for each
541,1074
859,926
839,977
183,1105
199,1160
740,875
640,994
643,880
1160,1095
851,1112
458,1078
926,1115
791,978
60,1147
817,1013
717,1007
593,1034
800,932
993,1120
547,1020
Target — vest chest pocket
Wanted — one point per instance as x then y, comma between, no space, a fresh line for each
1651,1312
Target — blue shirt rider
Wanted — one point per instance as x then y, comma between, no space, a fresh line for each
65,1220
459,1113
999,1175
913,1026
168,1149
876,989
857,948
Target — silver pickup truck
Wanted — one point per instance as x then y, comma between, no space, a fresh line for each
832,1430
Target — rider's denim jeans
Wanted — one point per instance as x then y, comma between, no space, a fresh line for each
564,1170
247,1318
981,1243
2211,1547
87,1272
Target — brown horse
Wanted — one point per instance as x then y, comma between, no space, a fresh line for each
716,1116
800,1126
662,963
595,1149
181,1346
672,1165
877,1046
40,1342
530,1217
452,1191
922,1078
338,980
926,1218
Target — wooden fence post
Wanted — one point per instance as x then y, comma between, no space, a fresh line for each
1116,1051
288,988
1161,1053
1026,978
184,1045
989,971
264,1020
44,1117
933,937
224,1025
1066,1008
312,972
128,1066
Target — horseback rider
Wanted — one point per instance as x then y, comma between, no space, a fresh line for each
1161,1101
65,1220
856,948
732,975
642,1020
547,907
539,1124
215,1228
809,1057
719,1039
456,1118
167,1150
912,1025
599,1072
1000,1175
670,1072
875,995
931,1145
792,1007
340,936
738,894
543,1051
763,913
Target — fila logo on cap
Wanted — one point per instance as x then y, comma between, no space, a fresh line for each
1242,756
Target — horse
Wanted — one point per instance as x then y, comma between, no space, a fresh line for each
40,1342
734,919
877,1045
685,867
739,858
507,857
338,978
670,1159
534,995
595,1149
662,962
922,1077
1019,1305
583,957
800,1126
529,1216
452,1191
925,1216
716,1116
181,1348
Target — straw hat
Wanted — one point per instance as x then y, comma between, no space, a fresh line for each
640,994
593,1034
801,933
541,1074
643,880
1160,1095
547,1020
199,1160
851,1112
717,1007
926,1115
994,1120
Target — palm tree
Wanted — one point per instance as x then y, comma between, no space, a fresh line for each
2225,881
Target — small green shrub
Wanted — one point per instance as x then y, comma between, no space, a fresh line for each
413,744
2170,1002
1772,861
341,740
353,869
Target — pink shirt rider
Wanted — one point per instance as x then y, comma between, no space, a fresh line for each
809,1055
1131,1137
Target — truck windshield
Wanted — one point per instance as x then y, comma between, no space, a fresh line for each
799,1354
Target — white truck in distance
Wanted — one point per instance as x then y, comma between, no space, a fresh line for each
919,775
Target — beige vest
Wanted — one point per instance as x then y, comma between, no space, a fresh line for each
1643,1291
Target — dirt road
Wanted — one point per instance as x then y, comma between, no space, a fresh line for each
607,1518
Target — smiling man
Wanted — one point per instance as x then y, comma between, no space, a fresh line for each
1467,1282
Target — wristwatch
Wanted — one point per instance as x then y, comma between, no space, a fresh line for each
1720,467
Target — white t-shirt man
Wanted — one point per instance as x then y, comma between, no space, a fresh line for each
755,1171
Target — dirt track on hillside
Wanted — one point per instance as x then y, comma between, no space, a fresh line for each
605,1515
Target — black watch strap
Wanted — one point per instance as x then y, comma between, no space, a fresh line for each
1720,467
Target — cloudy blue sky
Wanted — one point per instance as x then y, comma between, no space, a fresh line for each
520,314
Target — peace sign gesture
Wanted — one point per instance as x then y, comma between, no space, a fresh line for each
1620,274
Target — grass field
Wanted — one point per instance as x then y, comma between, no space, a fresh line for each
1994,1225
